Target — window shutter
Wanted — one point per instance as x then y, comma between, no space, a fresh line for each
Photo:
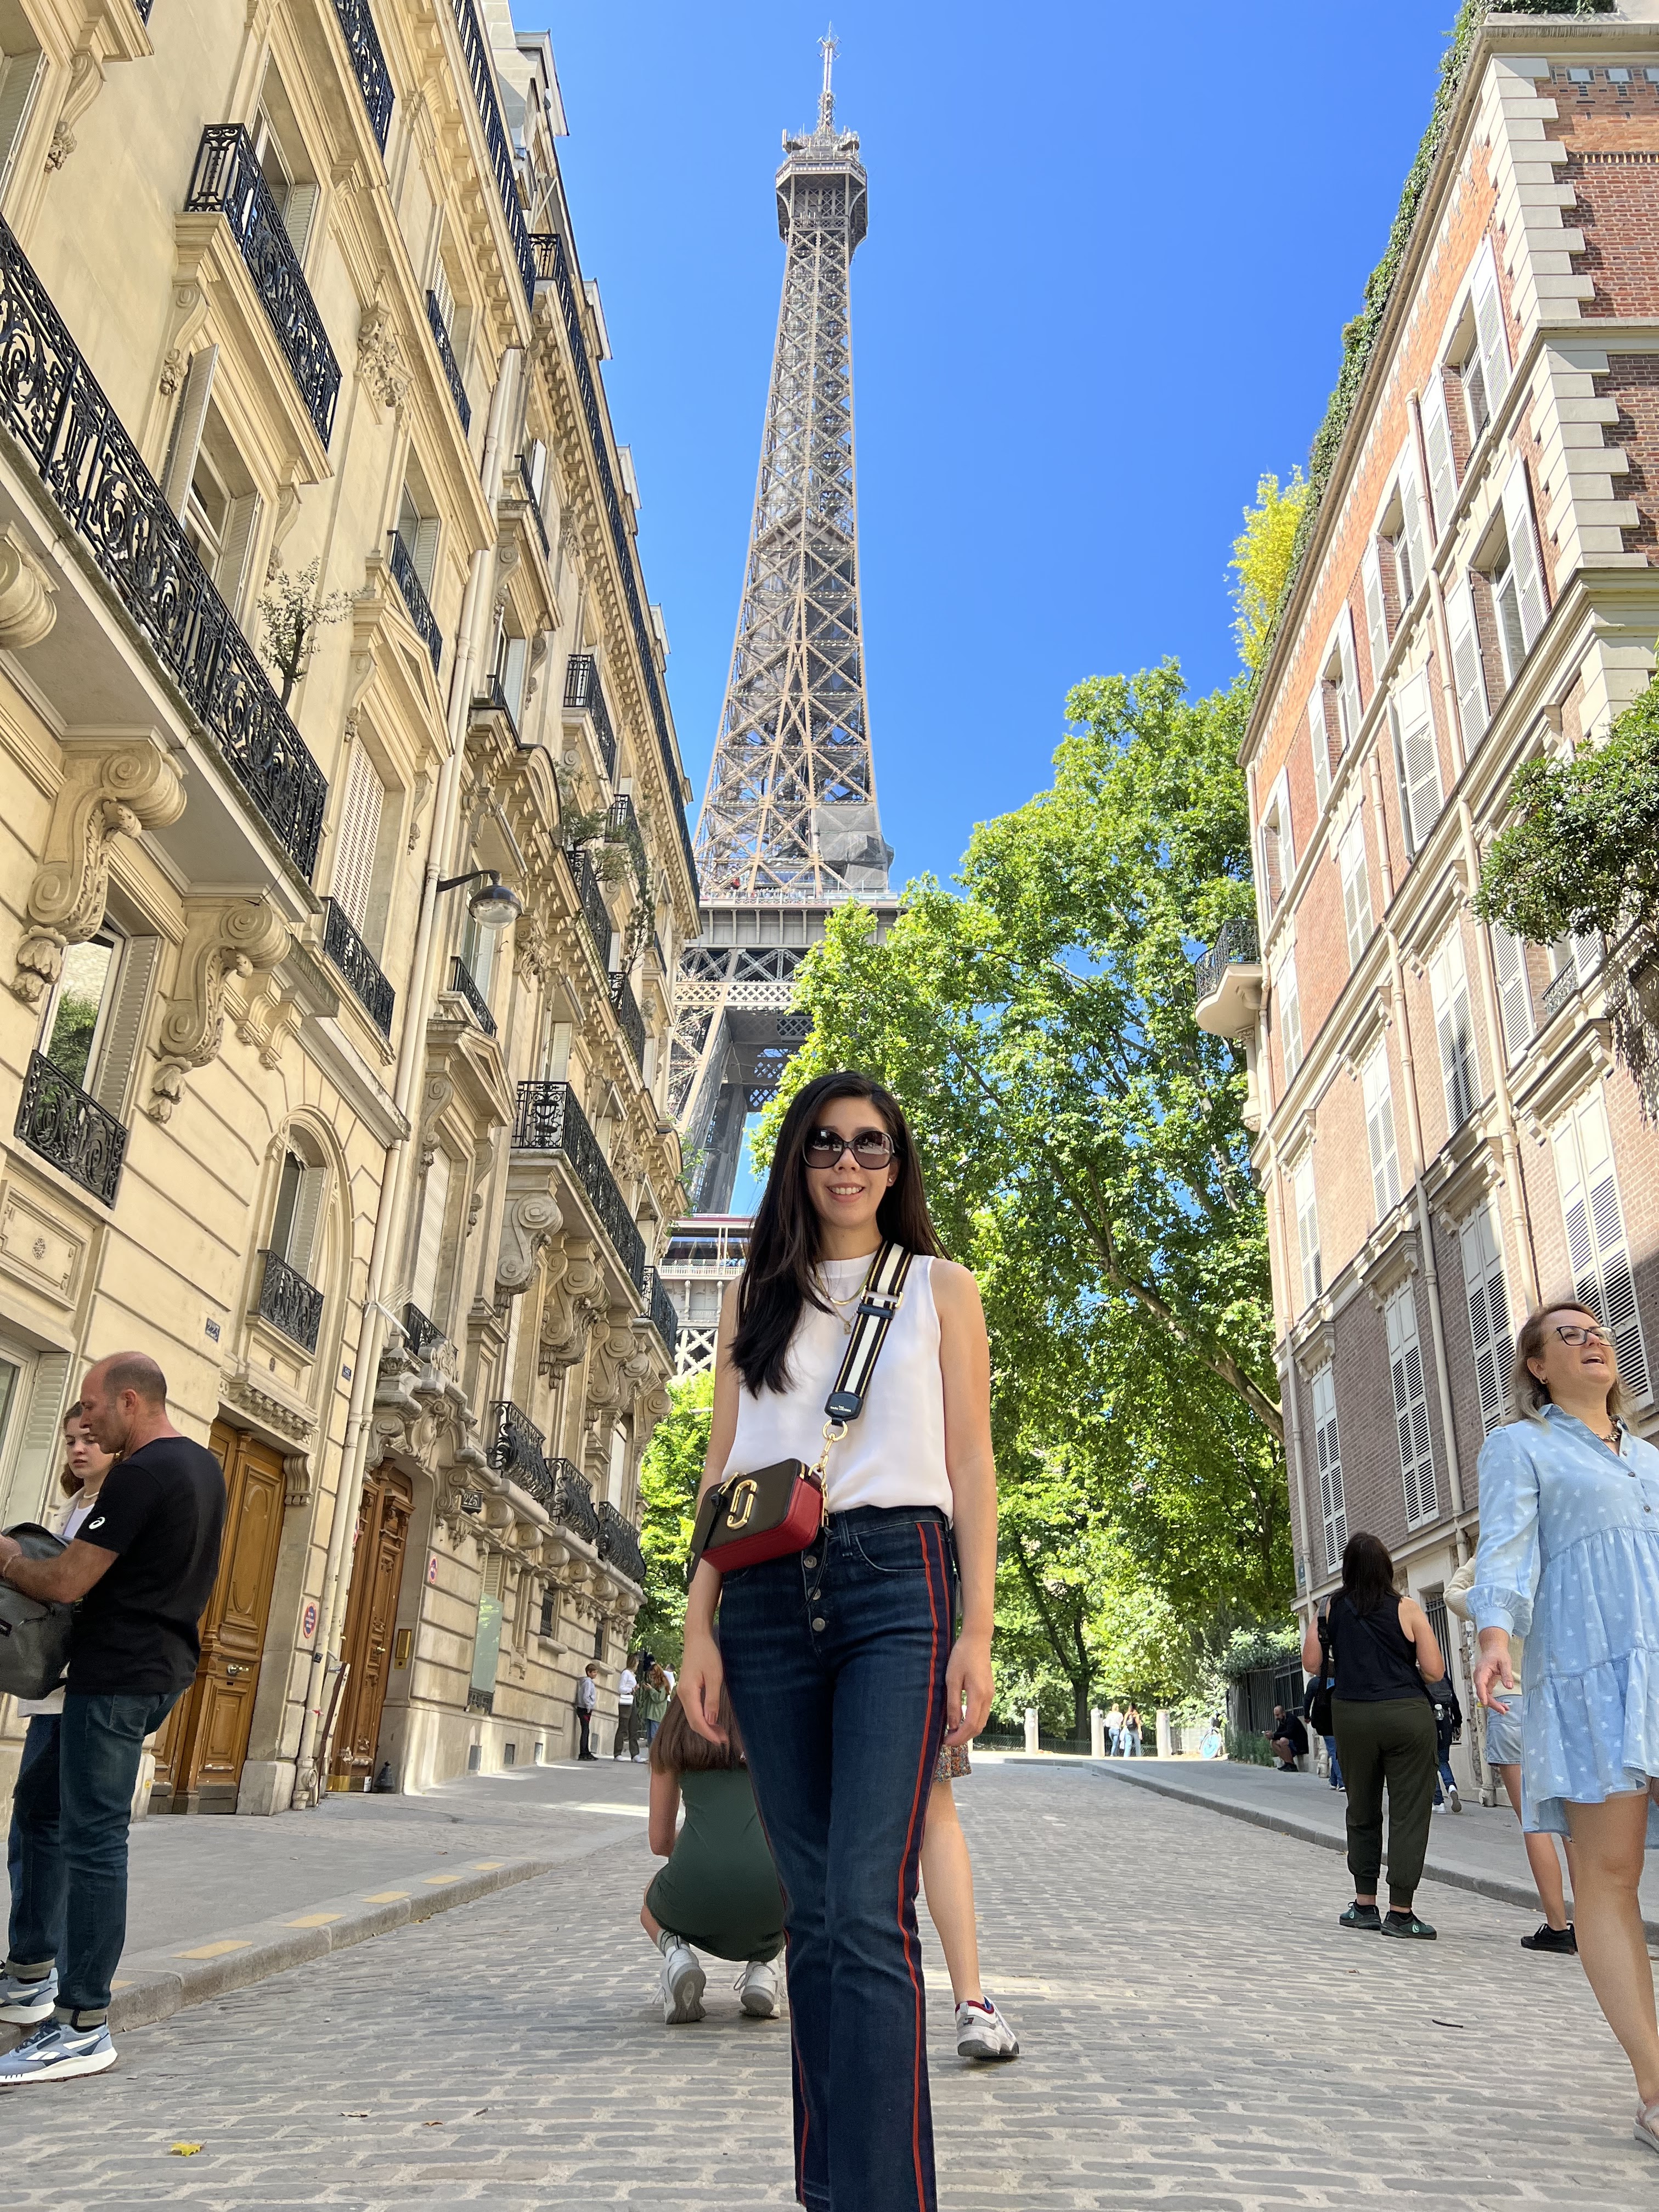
299,212
301,1253
1489,331
1307,1232
434,1203
538,466
445,297
18,85
1524,554
1289,1016
231,576
1411,1407
1509,960
424,551
1350,680
1376,619
1449,984
1596,1242
358,838
1332,1497
1321,762
1467,671
124,1025
1379,1129
1356,887
1489,1319
512,667
189,419
1436,439
1419,765
31,1493
1411,502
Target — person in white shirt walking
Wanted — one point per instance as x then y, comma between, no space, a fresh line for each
627,1724
587,1697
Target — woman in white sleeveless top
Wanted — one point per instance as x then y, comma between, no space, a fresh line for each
843,1663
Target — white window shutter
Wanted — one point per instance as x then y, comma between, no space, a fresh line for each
1489,331
1411,502
1350,680
434,1203
1316,730
1436,439
423,553
189,419
231,572
123,1027
1289,1016
1332,1497
1454,1030
1411,1407
1379,1130
1307,1233
1524,554
1468,671
1596,1242
302,1240
358,838
1419,763
298,214
1489,1320
1377,619
32,1493
18,84
1356,887
1509,960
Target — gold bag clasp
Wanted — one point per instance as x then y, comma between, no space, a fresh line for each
741,1504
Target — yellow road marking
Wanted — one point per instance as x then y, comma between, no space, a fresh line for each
314,1920
385,1896
217,1950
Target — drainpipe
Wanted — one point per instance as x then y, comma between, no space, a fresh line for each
411,1052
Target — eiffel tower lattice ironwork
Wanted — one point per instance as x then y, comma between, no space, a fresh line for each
789,826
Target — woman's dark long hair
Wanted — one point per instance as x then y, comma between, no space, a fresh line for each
784,1244
1367,1573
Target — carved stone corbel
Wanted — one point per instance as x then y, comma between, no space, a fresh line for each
27,612
567,1311
86,82
436,1096
113,794
221,941
296,1479
529,1218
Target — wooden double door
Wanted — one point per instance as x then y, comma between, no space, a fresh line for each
202,1746
377,1573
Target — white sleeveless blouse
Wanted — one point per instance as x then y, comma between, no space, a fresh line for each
894,1453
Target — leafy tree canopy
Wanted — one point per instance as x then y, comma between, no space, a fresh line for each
1261,562
670,1472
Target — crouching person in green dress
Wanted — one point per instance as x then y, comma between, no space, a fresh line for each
719,1892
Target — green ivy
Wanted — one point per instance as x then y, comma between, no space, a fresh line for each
1252,1650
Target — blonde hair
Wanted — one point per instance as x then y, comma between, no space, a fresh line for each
1527,1395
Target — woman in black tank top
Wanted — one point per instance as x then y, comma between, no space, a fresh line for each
1384,1654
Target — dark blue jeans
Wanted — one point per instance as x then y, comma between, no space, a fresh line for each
68,1854
836,1659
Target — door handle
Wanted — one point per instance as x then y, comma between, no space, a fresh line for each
232,1670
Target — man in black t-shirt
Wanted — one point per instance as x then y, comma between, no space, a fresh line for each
140,1573
1289,1739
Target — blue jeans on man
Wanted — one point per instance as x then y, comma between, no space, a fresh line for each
67,1853
1336,1765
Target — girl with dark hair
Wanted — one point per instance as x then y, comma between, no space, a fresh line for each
1386,1654
840,1660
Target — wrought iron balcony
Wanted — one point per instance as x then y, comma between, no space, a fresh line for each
583,690
421,1334
480,68
622,827
535,506
367,63
358,965
461,982
63,1125
1234,944
54,407
228,181
552,265
492,700
435,315
1561,993
590,897
664,1319
288,1302
619,1542
550,1120
480,1701
629,1019
406,577
518,1451
574,1502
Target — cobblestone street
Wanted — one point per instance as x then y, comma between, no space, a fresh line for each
1198,2033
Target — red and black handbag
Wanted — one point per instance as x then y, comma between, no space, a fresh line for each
747,1518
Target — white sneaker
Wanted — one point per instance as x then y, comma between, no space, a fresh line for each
682,1984
757,1989
57,2052
1452,1797
23,2003
1647,2124
982,2033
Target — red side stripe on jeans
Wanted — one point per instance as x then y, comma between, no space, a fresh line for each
920,2057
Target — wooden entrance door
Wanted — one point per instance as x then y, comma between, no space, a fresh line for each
377,1570
200,1751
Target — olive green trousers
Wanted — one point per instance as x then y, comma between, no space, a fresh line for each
1390,1742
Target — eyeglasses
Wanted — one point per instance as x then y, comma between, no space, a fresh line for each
1573,1334
871,1148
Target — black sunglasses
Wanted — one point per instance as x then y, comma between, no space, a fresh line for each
871,1148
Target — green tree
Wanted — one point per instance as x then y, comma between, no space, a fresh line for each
670,1472
294,612
1262,554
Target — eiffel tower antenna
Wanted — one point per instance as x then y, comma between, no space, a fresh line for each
789,826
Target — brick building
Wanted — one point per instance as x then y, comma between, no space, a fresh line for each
1444,1136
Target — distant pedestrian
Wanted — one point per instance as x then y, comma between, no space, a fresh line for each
651,1699
1555,1932
627,1727
1288,1742
1334,1764
1114,1730
1385,1654
947,1881
1448,1727
587,1698
1569,1558
1212,1744
1131,1732
139,1571
719,1892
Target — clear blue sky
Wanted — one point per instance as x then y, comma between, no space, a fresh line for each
1111,251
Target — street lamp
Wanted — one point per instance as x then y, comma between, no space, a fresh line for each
494,905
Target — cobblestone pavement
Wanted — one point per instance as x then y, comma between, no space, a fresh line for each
1199,2034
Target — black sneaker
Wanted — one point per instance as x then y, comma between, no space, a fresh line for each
1406,1924
1545,1938
1360,1916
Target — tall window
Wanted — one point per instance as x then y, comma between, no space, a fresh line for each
1334,711
1356,886
1416,763
417,525
1597,1245
95,1017
1517,583
1442,469
429,1245
19,77
1277,843
1454,1024
1469,668
1379,1130
1288,1001
1489,1312
1485,354
1332,1497
358,840
1509,960
280,151
297,1215
1411,1406
1307,1232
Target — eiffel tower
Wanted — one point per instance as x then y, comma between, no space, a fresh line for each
789,827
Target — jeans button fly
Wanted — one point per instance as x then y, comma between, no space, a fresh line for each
810,1560
818,1624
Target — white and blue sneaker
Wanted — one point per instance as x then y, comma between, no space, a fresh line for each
57,2052
23,2003
682,1984
982,2033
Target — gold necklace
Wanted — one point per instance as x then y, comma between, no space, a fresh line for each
840,1304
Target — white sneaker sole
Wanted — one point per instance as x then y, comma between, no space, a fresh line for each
760,2004
684,2004
66,2070
23,2016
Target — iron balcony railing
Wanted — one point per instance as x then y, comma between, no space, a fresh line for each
590,897
228,180
583,690
552,264
62,1124
1235,944
462,983
288,1302
574,1502
664,1319
475,49
421,1333
435,315
629,1020
550,1120
358,965
54,407
622,827
619,1542
533,502
517,1449
368,64
480,1701
407,578
492,700
1560,993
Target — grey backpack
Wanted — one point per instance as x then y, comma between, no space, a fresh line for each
34,1637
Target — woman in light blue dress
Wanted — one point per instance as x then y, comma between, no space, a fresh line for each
1569,1560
